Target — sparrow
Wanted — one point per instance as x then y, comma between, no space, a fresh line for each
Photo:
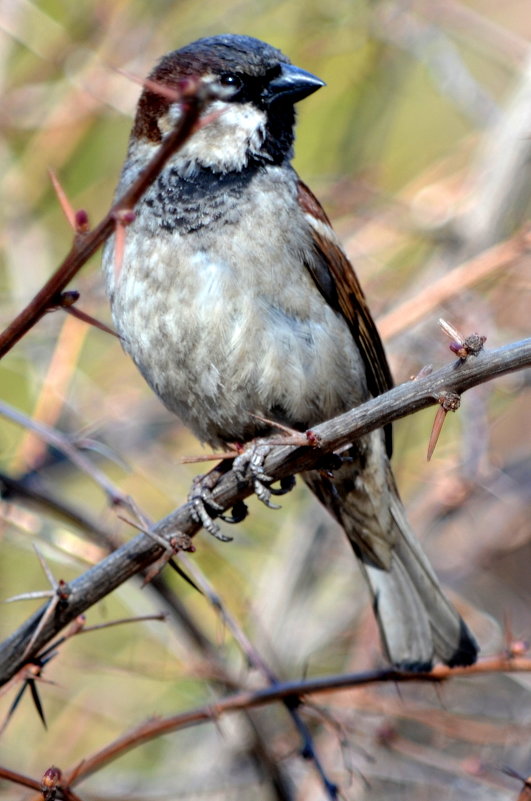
238,305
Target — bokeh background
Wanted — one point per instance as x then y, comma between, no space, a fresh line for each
419,148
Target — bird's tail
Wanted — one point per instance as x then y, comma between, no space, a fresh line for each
417,622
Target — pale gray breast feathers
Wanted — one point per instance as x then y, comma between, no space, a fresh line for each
223,319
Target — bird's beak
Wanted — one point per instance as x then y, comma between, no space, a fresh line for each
293,84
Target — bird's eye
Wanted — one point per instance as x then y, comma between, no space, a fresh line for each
230,81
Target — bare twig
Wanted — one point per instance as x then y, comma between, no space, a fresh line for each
66,447
58,593
525,794
26,492
194,96
19,778
286,690
64,202
257,661
450,284
283,461
84,317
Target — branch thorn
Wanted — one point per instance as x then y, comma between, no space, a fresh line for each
462,346
448,402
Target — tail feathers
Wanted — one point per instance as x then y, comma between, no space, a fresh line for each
453,643
404,625
417,622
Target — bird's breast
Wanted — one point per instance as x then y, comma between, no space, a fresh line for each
227,323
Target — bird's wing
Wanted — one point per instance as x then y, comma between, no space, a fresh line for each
338,283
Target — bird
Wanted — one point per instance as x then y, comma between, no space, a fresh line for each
239,306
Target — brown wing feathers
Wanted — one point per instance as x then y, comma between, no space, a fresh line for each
348,298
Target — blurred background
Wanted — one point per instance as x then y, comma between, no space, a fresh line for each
419,149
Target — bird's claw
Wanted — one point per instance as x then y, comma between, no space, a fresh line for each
251,462
286,485
238,513
205,508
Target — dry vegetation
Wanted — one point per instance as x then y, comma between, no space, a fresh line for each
420,150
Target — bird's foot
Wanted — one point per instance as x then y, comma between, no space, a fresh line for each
251,462
205,508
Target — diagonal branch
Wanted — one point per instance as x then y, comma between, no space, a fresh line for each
193,99
284,460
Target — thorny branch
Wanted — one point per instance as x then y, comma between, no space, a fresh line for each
70,450
194,95
248,699
283,461
257,661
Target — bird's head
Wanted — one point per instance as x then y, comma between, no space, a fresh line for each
251,114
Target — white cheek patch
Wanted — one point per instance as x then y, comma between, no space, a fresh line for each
232,132
168,121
